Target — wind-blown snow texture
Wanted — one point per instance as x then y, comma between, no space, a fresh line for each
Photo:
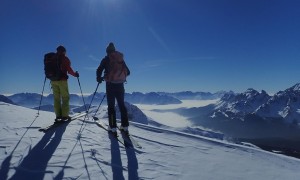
26,153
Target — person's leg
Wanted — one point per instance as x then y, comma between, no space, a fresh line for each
111,105
64,89
120,92
57,99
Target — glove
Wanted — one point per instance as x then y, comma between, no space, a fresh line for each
99,79
76,74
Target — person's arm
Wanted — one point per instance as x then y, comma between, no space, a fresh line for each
128,71
100,69
69,68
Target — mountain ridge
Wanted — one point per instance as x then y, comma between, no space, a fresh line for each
283,105
32,100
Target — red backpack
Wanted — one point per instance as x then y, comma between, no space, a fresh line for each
117,70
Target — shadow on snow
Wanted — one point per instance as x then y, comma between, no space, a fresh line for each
35,163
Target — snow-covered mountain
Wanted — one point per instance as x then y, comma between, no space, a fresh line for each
150,98
255,117
283,105
26,99
134,113
140,98
26,153
5,99
238,105
32,100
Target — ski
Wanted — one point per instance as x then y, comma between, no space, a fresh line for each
129,139
104,126
56,124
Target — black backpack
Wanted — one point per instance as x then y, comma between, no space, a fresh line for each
52,66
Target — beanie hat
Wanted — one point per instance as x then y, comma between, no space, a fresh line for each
61,49
110,48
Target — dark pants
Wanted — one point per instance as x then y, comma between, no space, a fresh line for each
116,91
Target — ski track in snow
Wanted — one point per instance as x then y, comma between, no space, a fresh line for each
26,153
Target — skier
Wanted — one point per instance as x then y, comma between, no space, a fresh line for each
60,86
115,73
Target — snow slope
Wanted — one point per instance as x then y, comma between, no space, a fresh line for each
26,153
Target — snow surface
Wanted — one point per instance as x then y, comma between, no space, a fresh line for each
26,153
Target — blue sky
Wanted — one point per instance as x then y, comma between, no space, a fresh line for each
196,45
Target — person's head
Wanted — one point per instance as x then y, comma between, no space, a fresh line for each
61,50
110,48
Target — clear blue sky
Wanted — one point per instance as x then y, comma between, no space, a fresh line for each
169,45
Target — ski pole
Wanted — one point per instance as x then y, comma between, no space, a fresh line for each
94,117
91,102
82,94
38,113
93,96
82,128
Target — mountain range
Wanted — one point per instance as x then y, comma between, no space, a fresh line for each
252,116
32,100
189,95
283,106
